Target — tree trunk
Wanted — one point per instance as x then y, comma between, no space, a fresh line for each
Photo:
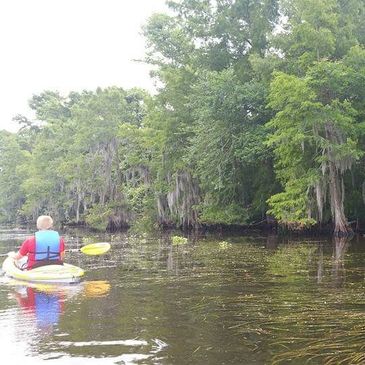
337,196
78,207
337,165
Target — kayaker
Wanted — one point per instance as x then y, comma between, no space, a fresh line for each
46,247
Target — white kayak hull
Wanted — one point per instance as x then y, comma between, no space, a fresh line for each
66,273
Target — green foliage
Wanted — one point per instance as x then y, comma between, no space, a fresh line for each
255,113
290,207
12,157
223,214
74,163
97,217
205,53
315,129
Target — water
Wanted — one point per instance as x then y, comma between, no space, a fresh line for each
214,300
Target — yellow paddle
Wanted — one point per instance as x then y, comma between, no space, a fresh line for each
94,249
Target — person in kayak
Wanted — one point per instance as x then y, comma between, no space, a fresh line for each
46,247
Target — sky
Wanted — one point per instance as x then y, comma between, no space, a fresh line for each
69,45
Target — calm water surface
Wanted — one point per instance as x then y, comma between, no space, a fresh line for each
214,300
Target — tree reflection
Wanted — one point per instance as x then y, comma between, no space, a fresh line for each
320,271
338,260
272,241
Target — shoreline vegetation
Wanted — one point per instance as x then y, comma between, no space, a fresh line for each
258,122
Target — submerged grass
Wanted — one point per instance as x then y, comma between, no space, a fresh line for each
296,303
291,259
342,343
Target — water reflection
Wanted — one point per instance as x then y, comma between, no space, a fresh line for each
340,247
272,241
44,306
96,288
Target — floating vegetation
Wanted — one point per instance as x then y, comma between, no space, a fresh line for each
224,245
178,240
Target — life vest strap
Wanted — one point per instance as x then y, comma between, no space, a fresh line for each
51,255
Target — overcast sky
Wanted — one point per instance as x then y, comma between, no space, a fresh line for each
69,45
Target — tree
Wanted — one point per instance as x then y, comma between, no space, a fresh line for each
317,127
197,50
12,158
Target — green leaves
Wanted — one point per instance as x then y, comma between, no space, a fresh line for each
290,207
315,132
11,175
73,170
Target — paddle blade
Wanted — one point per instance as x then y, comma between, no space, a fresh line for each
96,248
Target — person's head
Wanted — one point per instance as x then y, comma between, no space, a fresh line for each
44,222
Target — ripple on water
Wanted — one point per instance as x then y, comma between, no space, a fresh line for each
104,343
127,356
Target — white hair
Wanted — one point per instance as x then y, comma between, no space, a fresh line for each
44,222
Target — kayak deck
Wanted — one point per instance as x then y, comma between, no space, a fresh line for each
65,273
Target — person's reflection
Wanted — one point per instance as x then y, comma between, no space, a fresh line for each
338,260
46,306
45,303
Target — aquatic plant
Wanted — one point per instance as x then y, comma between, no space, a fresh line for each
224,245
177,240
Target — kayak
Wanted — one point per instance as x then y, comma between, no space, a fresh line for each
65,273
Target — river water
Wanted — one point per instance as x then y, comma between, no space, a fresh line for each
212,300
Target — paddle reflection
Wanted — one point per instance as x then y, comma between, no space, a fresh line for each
96,288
